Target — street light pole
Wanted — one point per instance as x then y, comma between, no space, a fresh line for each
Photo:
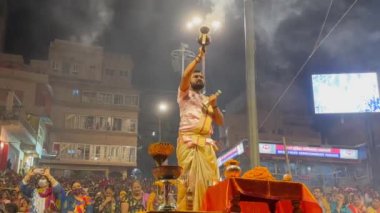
159,128
253,133
183,48
181,56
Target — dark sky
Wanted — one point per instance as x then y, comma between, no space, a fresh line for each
148,30
286,31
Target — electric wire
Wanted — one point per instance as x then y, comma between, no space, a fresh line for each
305,63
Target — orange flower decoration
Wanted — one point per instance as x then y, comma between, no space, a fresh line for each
259,173
160,151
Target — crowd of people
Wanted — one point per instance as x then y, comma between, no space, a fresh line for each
39,191
348,199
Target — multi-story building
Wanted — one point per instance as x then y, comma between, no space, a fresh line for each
24,112
95,110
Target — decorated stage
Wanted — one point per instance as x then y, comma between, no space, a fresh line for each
257,191
259,196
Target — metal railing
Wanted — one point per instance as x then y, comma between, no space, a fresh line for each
17,114
92,153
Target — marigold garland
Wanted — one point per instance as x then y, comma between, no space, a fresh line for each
160,148
259,173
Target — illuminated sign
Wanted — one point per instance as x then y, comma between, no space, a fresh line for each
237,150
322,152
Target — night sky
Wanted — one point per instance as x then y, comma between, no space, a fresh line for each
149,30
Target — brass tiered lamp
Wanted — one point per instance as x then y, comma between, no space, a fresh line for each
160,151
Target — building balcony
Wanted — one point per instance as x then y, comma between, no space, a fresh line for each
17,128
16,116
91,154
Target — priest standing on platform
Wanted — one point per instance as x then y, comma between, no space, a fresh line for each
195,147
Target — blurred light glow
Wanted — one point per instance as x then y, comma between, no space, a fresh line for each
216,25
196,20
162,107
189,25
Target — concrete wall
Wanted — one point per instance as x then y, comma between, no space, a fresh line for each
117,70
25,85
82,61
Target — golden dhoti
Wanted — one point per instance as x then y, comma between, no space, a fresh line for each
199,171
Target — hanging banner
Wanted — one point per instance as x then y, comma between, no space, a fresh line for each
307,151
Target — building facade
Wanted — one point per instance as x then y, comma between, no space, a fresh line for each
94,110
24,112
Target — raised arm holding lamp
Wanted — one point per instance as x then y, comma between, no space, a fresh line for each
195,147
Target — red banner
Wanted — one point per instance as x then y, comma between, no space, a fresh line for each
3,155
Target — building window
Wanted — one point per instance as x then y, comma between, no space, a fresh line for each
117,124
89,97
75,69
75,92
71,121
104,98
91,72
55,66
109,98
65,67
97,153
110,72
124,73
118,99
100,123
89,122
131,100
132,154
131,125
91,152
86,122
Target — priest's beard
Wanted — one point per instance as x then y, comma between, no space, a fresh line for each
198,86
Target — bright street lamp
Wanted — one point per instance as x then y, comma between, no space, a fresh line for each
196,22
162,107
